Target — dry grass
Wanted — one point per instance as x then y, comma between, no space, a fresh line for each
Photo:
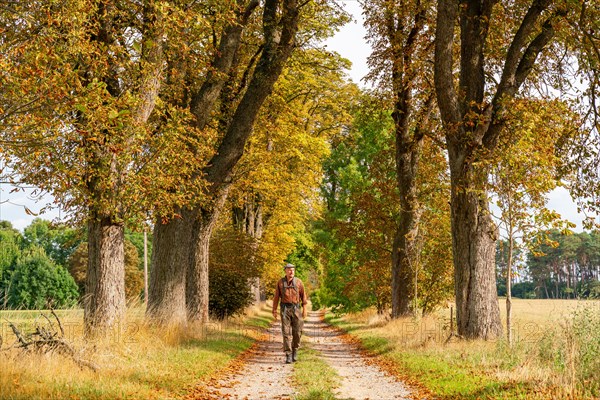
547,359
137,362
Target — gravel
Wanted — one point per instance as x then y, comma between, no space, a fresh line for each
266,376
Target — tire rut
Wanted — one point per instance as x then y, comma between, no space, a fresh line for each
264,375
360,377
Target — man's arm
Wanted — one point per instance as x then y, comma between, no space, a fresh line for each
276,301
303,299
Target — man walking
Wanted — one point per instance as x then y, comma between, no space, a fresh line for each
290,291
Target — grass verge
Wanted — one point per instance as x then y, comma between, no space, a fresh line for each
548,360
139,362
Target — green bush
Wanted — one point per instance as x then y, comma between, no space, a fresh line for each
37,283
233,264
228,294
574,350
10,251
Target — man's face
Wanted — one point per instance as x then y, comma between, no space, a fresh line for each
289,273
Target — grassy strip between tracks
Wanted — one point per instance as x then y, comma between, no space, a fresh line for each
314,377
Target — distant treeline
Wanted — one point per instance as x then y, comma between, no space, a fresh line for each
45,266
559,267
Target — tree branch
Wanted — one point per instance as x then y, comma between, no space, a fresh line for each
517,71
204,100
443,77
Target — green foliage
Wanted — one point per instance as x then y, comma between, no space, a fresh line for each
565,266
356,234
306,259
586,335
57,240
10,251
359,191
523,290
573,349
37,283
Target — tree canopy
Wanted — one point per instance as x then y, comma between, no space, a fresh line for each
227,125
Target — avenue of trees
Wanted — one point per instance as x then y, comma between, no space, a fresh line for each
215,122
127,112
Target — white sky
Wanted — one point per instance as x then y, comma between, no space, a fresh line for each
350,43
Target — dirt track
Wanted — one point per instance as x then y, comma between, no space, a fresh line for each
265,375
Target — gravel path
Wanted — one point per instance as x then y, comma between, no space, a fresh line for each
360,378
265,375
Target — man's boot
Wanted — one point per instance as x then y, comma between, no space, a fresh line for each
288,358
295,355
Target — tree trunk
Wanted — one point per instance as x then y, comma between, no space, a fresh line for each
405,41
249,220
474,126
403,256
474,238
196,292
104,302
171,251
405,247
280,23
556,281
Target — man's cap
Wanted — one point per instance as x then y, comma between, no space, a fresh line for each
288,265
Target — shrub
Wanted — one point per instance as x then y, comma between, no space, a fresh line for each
228,293
233,264
9,254
38,282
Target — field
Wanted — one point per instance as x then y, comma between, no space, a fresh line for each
556,352
137,362
556,355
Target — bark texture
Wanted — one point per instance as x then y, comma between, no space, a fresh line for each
104,301
473,124
405,42
166,291
196,295
474,238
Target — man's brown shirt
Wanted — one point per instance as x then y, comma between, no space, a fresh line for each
289,292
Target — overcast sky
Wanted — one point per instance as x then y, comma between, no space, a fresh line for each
349,42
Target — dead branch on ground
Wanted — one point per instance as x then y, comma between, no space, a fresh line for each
45,340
